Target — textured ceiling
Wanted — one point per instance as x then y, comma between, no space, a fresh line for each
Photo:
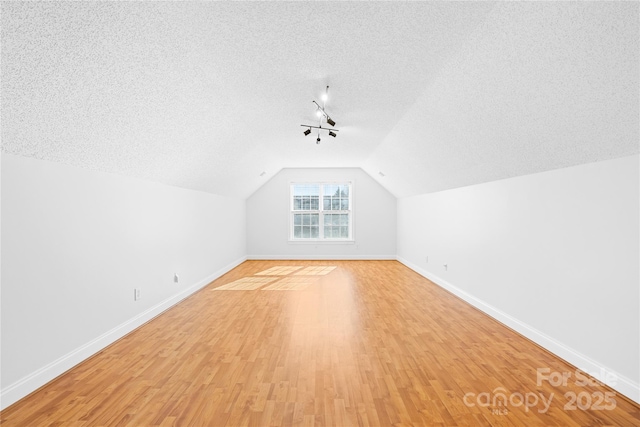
537,86
209,95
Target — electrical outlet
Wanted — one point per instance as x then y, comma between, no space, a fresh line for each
176,279
136,294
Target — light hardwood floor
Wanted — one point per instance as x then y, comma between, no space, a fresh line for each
366,343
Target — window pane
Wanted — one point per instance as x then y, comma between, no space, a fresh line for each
344,204
297,231
344,232
306,232
306,190
326,203
344,190
314,232
331,190
344,219
305,196
335,204
306,219
297,219
314,219
327,232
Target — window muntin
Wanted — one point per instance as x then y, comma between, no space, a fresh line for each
321,212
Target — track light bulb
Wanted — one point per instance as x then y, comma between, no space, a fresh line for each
330,121
333,134
324,97
318,113
307,132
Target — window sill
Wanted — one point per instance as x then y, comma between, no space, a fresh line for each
322,242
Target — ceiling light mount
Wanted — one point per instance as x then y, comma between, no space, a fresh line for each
322,114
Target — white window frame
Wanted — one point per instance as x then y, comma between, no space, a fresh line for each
321,212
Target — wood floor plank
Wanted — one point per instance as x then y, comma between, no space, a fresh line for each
290,284
363,343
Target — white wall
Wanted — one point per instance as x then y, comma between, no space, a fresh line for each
75,244
554,255
374,210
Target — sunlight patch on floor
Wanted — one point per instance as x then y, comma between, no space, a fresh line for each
315,271
281,270
246,284
301,279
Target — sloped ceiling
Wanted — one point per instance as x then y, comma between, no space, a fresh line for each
537,86
209,95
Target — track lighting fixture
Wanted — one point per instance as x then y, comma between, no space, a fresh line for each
322,114
320,128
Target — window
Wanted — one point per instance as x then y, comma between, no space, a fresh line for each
321,211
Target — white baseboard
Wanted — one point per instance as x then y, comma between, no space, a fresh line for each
312,257
619,383
37,379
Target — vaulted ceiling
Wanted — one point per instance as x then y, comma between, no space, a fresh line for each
208,95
